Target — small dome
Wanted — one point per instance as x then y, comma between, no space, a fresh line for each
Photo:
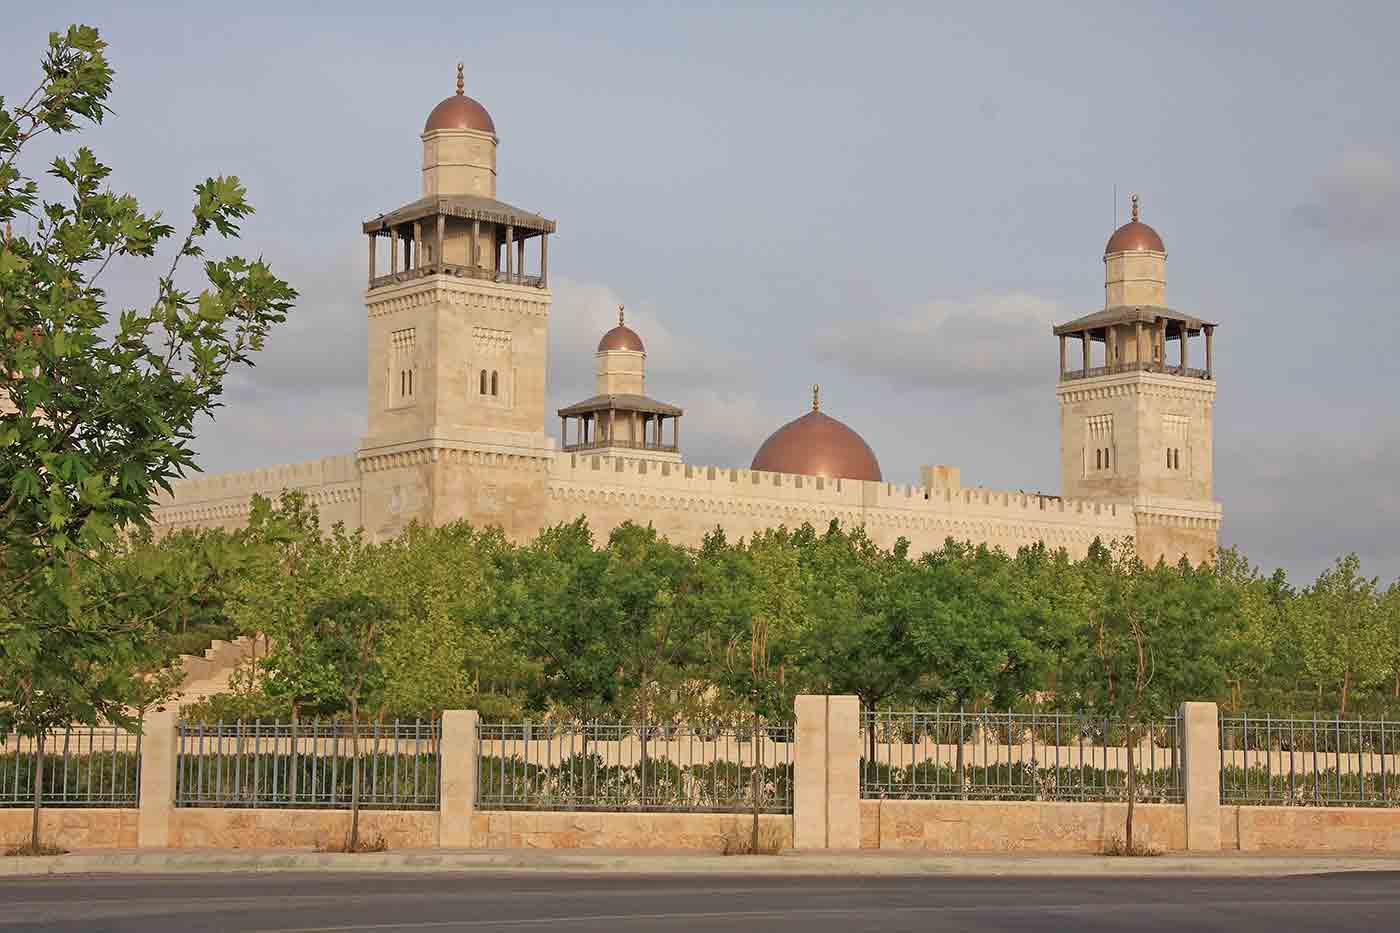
621,337
460,112
818,445
1134,235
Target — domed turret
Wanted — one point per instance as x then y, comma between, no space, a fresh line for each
1135,265
621,337
818,445
459,147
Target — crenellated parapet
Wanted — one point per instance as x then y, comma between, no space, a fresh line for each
224,500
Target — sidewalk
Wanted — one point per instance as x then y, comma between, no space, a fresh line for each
162,861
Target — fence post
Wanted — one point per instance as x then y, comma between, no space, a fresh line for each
826,799
159,744
1200,770
809,773
457,786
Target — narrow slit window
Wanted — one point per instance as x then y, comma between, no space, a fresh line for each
494,384
483,382
1098,458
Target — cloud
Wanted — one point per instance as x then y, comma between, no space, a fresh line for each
1357,200
984,343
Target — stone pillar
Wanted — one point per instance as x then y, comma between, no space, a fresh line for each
809,774
371,259
544,260
1200,771
417,244
476,244
394,251
159,745
1062,356
457,786
1210,352
1086,343
826,798
1137,344
510,239
676,431
1162,342
520,257
1185,346
437,245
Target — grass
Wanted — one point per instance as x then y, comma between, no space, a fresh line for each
770,842
377,844
1116,846
28,849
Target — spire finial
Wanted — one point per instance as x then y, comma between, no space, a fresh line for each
619,315
816,397
461,82
1135,208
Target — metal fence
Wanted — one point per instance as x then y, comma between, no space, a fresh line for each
629,766
1016,756
310,764
1310,762
84,766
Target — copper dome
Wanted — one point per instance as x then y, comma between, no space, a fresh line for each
1134,235
460,112
621,337
818,445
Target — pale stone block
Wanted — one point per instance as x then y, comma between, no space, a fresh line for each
843,772
457,787
809,773
159,744
1200,769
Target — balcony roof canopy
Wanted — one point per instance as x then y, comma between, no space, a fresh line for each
467,207
1131,314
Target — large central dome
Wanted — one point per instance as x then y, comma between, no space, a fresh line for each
818,445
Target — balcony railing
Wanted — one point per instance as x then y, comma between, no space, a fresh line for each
628,445
1186,371
460,272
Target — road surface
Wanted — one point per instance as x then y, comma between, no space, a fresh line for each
572,903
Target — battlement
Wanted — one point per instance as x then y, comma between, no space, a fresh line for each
710,481
267,481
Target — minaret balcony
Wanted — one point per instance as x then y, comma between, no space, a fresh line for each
454,270
1136,367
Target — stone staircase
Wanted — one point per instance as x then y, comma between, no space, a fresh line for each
208,674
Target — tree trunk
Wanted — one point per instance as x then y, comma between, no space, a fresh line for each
1397,681
757,767
353,843
1132,796
38,790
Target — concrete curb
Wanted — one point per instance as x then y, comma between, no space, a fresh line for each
632,862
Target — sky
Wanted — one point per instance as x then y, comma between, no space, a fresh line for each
894,202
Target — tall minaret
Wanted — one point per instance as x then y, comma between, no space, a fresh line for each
458,304
1135,413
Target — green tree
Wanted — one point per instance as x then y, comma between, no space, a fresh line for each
97,411
1150,643
1340,623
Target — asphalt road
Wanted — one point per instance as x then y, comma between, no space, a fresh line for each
483,902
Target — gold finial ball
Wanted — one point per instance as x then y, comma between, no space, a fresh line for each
619,315
816,397
461,79
1135,207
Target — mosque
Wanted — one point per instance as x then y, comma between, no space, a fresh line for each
458,306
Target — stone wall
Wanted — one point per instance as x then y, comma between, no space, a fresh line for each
208,828
75,828
517,829
1332,829
1031,826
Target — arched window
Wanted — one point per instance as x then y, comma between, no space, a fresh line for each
1105,458
1176,458
494,386
483,382
1098,458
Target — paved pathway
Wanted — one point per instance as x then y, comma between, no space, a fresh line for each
476,902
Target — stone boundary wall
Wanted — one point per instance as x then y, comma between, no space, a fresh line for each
75,828
223,499
1015,826
554,829
210,828
1299,829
